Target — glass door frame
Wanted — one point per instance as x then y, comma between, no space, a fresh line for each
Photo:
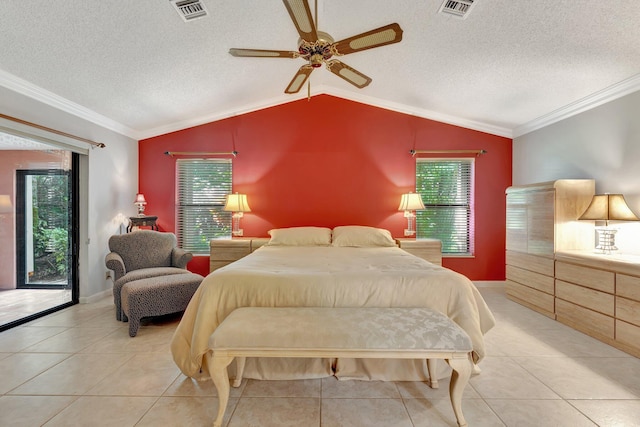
73,233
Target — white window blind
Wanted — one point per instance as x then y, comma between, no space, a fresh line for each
446,187
202,185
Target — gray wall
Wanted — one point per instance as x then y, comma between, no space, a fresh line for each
109,182
601,144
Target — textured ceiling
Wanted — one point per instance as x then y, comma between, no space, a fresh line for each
137,65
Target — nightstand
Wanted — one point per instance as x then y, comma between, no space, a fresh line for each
427,249
226,251
142,221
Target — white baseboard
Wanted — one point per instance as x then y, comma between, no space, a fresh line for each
95,297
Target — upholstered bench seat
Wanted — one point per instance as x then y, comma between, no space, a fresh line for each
399,333
157,296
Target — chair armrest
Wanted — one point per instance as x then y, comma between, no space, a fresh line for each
180,258
114,262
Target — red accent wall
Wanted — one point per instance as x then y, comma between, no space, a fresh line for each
328,162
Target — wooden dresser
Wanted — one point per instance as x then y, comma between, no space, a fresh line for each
600,296
541,220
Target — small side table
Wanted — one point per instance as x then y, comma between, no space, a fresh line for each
142,221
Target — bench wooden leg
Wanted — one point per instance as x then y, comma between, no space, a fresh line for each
220,377
432,367
459,379
237,382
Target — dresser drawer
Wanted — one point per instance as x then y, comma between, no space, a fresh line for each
585,297
588,321
539,264
629,335
585,276
628,310
531,279
628,286
229,250
532,298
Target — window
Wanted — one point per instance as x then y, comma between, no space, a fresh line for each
446,187
202,185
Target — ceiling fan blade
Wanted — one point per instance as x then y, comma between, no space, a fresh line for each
264,53
348,73
301,15
388,34
299,79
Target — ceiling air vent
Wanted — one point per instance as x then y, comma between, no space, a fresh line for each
457,8
190,9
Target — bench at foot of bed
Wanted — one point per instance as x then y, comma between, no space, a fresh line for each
394,333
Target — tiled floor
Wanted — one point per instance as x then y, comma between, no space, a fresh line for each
16,304
79,367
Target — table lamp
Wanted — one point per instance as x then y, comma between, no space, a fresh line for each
608,207
140,202
409,203
237,203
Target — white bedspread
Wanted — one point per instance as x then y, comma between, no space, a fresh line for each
326,277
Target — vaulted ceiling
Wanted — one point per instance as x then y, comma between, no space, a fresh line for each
138,68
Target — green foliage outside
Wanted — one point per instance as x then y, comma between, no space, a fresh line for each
50,228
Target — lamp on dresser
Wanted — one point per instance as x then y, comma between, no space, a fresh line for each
237,203
409,203
608,207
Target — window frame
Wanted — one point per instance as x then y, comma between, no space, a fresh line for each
461,239
200,214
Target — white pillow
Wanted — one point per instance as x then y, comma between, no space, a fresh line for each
300,236
361,236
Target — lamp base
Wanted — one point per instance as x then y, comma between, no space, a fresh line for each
237,233
408,232
606,240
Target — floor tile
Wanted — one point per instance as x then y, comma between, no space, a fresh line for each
502,378
21,337
610,413
420,390
587,378
439,413
538,413
73,376
30,411
283,388
104,411
185,412
141,375
364,413
276,412
21,367
333,388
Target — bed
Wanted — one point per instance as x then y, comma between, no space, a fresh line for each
316,267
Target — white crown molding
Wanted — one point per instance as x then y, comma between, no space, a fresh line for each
328,90
594,100
425,114
30,90
209,118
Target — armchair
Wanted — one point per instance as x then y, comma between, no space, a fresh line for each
140,255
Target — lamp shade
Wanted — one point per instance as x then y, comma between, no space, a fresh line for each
5,204
411,202
140,199
609,207
237,203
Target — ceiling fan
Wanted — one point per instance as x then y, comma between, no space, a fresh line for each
317,47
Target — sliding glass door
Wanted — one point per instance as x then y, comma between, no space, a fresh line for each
44,230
